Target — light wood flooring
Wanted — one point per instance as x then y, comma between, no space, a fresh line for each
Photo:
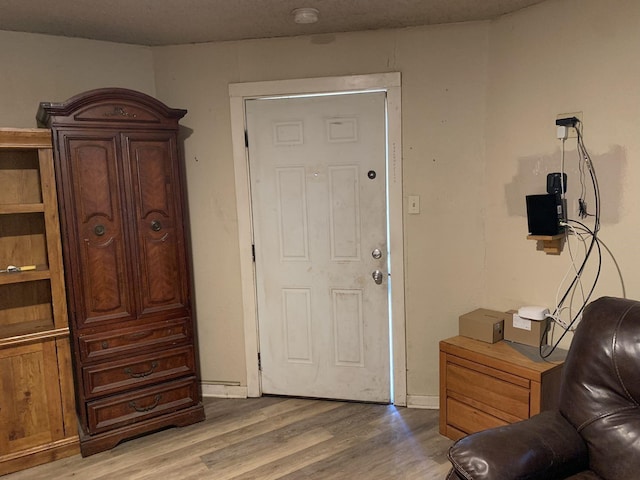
273,438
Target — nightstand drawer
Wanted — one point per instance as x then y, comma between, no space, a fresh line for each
120,410
131,341
486,389
113,377
469,419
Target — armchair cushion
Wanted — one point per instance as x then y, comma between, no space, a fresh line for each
600,395
546,446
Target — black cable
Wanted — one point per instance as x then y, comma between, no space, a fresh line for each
594,179
586,159
584,303
580,270
583,191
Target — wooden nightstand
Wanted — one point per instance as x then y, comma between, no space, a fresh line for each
484,385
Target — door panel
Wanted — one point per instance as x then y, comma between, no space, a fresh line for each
31,414
318,186
158,224
292,213
344,213
296,316
348,327
106,292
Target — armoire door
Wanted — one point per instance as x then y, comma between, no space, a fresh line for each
98,241
160,257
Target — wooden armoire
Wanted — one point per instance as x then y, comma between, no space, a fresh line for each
120,183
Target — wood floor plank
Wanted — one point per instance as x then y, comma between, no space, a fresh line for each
213,437
386,455
273,438
130,455
342,417
232,465
296,463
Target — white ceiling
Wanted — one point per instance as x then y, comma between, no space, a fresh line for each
171,22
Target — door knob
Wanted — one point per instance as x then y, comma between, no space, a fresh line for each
377,277
376,253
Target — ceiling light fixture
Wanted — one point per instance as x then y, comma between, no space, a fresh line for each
305,15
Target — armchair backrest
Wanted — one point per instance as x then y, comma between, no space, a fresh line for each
600,392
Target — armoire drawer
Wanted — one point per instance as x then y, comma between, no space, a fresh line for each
120,410
107,378
131,341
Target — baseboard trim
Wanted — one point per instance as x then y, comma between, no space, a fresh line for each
224,391
41,454
431,402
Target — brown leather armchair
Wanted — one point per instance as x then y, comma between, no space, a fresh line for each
595,434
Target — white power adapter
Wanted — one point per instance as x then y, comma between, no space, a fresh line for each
562,132
533,312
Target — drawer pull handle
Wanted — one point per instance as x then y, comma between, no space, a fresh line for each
155,403
105,345
139,335
129,372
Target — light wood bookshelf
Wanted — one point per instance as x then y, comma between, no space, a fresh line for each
37,421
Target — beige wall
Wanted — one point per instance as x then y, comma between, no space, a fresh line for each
43,68
561,56
479,105
443,87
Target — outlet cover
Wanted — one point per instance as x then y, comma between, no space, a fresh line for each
572,131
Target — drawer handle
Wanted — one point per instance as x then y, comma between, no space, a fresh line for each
129,372
105,345
139,335
155,403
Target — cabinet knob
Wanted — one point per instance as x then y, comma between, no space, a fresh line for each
99,230
156,226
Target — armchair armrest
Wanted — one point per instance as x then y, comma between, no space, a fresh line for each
542,447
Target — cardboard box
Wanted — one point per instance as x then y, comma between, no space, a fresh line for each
522,330
483,324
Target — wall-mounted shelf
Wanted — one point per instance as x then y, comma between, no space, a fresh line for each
551,244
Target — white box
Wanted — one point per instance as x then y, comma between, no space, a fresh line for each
523,330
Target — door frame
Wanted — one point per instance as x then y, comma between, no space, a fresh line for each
238,94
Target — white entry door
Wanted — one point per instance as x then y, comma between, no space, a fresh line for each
318,193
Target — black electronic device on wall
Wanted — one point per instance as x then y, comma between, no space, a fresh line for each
557,183
542,214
